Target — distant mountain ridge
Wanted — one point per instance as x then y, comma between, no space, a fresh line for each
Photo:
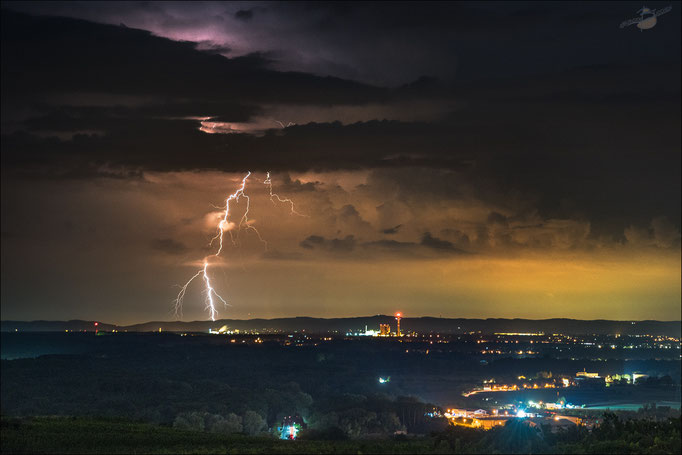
342,325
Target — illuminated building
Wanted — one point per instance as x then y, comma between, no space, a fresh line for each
384,330
398,316
585,374
453,413
470,421
585,379
370,333
366,333
618,379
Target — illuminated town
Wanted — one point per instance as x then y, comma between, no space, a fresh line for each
465,378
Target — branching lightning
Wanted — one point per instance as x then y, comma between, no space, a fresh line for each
274,196
210,292
225,225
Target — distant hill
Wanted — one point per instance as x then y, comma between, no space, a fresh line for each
343,325
75,325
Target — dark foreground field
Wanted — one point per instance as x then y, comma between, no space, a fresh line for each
167,393
82,435
92,435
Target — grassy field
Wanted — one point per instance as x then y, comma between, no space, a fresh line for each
85,435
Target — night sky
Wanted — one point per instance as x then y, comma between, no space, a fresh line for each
464,160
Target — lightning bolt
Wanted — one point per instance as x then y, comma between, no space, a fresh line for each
210,292
181,295
273,196
225,225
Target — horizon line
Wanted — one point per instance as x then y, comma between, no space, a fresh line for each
340,317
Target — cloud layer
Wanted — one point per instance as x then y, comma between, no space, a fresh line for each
540,164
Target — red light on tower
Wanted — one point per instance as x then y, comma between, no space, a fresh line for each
397,318
96,324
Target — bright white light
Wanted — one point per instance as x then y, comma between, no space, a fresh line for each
225,225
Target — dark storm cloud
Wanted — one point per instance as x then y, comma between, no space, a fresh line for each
117,118
335,245
392,245
169,246
49,55
498,218
395,44
348,212
459,238
580,139
289,186
244,14
312,242
164,145
584,168
282,256
393,230
427,247
437,244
